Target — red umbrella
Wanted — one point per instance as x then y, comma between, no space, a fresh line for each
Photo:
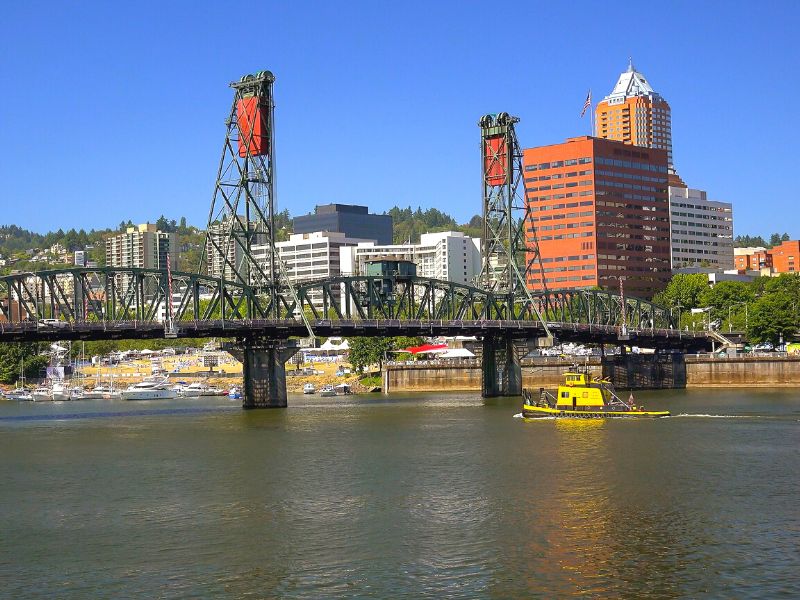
427,348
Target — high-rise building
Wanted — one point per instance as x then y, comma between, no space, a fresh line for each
635,114
447,255
143,247
351,220
702,230
222,242
601,213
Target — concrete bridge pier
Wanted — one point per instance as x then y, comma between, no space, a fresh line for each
500,363
264,371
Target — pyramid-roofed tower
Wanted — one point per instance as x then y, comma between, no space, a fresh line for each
634,113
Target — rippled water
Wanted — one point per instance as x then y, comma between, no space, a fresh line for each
400,496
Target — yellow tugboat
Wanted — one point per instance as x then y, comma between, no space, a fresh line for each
583,397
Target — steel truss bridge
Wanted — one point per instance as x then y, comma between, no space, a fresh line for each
116,303
251,298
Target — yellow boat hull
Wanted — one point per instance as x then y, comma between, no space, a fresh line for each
534,412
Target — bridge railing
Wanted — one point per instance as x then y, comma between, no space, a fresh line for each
110,296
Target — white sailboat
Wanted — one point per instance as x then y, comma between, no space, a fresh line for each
20,392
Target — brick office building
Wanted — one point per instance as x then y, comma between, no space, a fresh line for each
601,213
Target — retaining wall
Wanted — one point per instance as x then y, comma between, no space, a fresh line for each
631,371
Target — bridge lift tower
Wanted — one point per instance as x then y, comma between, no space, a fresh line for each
242,215
509,256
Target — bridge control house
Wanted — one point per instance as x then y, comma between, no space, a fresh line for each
600,210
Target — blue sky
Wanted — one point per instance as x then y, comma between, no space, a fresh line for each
115,111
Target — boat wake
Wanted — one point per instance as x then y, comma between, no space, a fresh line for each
708,416
520,416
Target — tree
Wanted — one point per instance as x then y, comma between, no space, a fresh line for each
771,319
746,241
14,354
368,351
776,313
724,296
775,239
684,290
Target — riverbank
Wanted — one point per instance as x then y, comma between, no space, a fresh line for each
700,372
227,373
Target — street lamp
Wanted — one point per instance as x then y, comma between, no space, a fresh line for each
730,327
707,319
679,306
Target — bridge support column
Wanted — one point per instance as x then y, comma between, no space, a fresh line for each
264,371
502,372
645,371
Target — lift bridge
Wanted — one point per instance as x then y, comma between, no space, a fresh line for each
249,298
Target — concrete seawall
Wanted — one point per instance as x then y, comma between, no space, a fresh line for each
743,371
429,376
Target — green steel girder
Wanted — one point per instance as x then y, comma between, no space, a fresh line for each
114,294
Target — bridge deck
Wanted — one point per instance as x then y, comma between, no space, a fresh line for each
29,331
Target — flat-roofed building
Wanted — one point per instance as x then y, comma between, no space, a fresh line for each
143,247
352,220
601,213
786,257
701,230
752,258
224,255
309,256
446,255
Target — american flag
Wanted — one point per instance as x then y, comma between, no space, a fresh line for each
588,103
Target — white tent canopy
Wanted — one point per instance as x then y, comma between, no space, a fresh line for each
329,345
332,345
457,353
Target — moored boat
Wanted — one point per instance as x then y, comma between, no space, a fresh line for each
583,397
150,388
309,389
42,394
20,393
327,391
61,392
200,388
100,392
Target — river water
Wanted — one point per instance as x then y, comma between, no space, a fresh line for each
405,496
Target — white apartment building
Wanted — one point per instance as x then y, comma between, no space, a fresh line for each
702,230
448,255
309,256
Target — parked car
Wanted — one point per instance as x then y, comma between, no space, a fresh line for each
764,347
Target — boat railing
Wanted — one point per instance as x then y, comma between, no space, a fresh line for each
615,400
545,400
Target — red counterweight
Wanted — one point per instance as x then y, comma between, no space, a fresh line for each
253,134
